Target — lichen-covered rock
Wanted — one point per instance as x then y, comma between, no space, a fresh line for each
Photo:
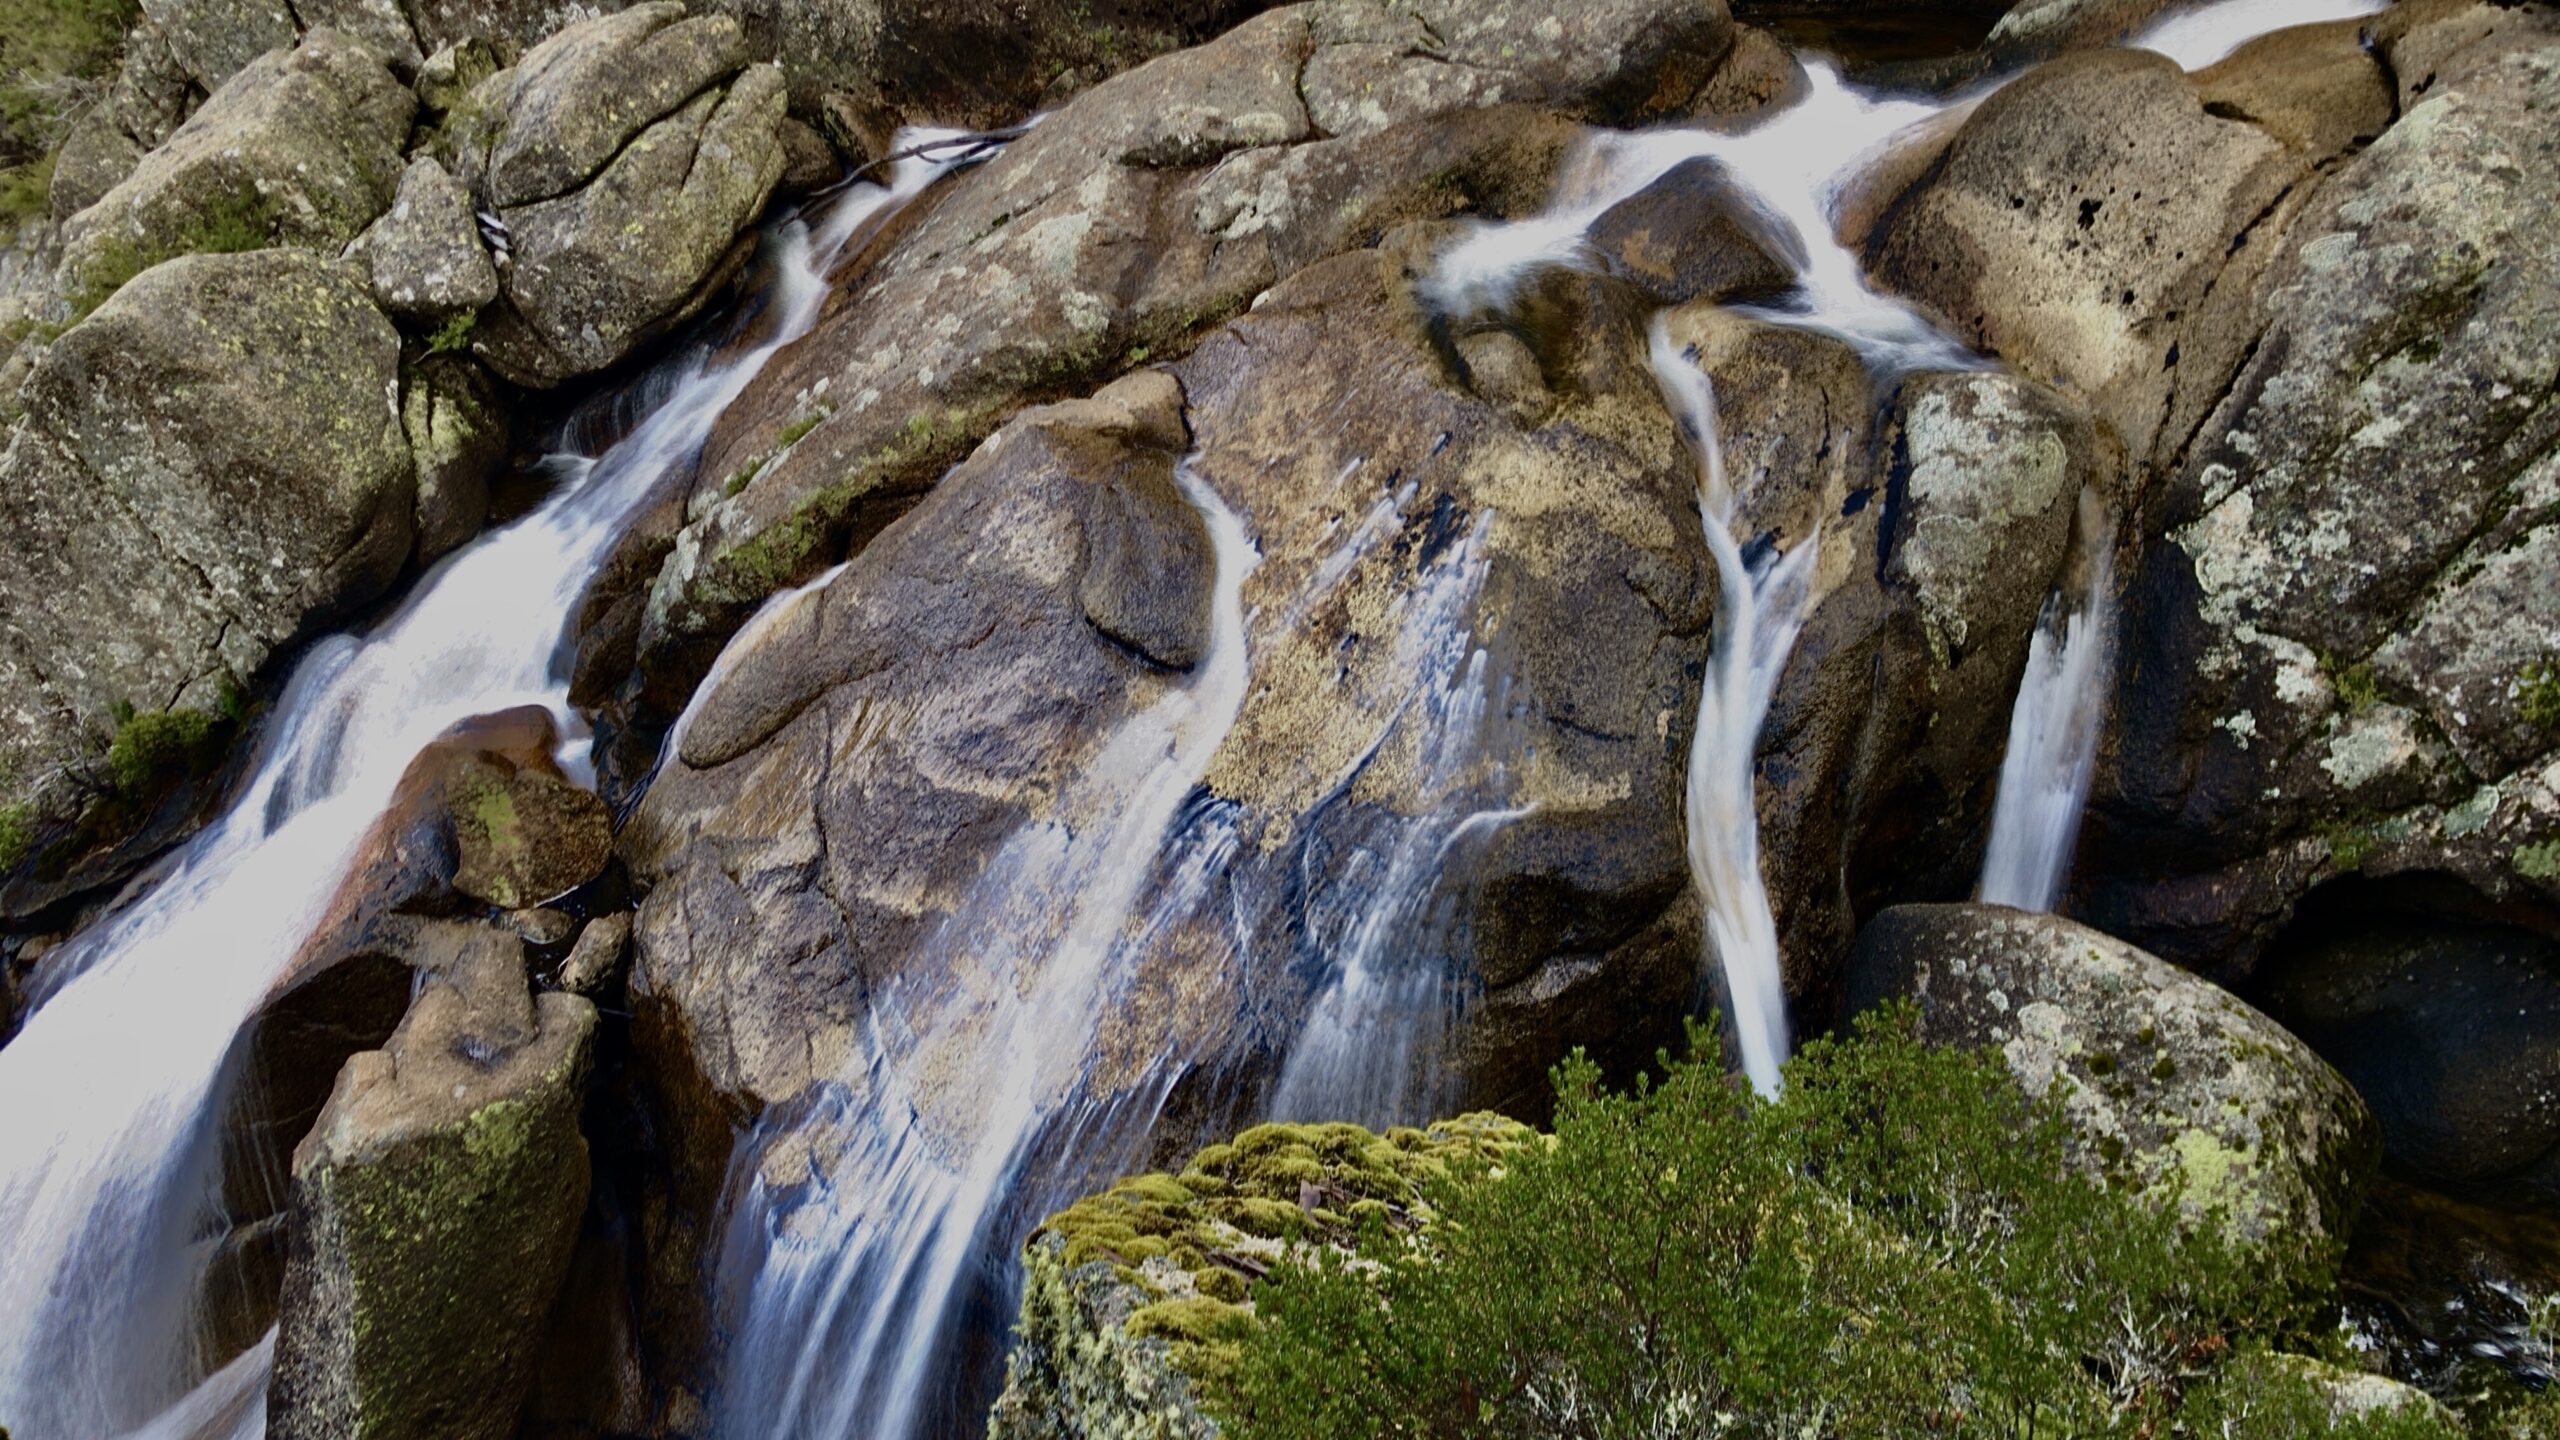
1130,1297
457,433
2166,1080
624,156
523,832
435,1204
213,40
425,254
209,466
2098,222
1125,225
300,148
2345,653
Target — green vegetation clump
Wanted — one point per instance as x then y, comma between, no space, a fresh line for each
2356,686
2538,695
55,56
1896,1247
227,226
154,746
17,837
454,334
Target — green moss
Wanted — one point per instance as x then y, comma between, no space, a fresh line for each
2539,862
2350,844
153,748
454,334
2538,695
17,837
792,432
2355,685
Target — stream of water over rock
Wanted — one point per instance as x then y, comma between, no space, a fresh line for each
109,1156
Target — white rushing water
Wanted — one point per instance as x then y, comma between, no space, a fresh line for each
1793,165
2199,37
1759,612
865,1224
1373,1047
108,1157
2053,730
978,1050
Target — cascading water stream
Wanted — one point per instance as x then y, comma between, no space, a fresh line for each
108,1150
1759,611
1792,167
2053,731
1372,1046
978,1052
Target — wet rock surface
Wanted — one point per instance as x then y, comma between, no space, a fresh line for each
2441,1017
1120,229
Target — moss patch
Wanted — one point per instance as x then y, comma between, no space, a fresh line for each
17,837
1191,1242
2538,695
153,748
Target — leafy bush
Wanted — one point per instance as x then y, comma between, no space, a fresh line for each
1894,1248
155,746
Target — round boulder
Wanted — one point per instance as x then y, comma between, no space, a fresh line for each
2169,1081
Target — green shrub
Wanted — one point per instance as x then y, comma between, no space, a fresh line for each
1894,1248
154,746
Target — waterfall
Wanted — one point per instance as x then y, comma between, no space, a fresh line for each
109,1156
2053,731
1374,1045
1791,164
975,1057
1759,610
